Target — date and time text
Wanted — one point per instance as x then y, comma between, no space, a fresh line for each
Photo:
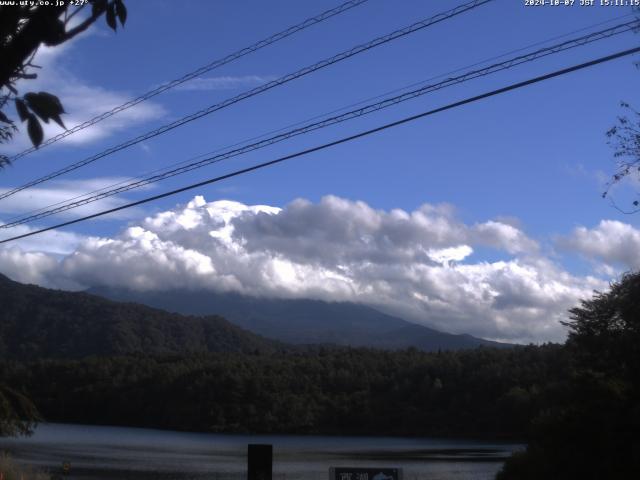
582,3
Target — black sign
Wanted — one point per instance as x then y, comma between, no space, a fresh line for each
259,462
364,473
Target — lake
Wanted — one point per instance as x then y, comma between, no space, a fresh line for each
122,453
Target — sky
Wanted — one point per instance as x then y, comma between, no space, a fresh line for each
486,219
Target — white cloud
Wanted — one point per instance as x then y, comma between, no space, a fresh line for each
84,101
36,259
80,99
446,256
225,82
418,264
62,191
612,242
312,232
27,267
505,237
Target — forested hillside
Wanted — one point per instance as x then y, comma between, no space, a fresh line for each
482,392
40,323
82,358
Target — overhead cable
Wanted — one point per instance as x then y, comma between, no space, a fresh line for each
262,88
359,112
196,73
340,141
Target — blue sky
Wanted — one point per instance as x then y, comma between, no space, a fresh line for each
534,159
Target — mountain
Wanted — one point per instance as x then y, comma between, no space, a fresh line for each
302,321
37,322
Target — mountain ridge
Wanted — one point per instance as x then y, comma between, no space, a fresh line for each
303,321
37,322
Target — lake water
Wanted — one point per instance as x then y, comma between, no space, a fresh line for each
127,453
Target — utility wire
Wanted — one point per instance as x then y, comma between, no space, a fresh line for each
315,117
388,102
89,197
267,86
324,146
196,73
124,186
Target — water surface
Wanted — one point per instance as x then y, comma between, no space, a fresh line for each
105,453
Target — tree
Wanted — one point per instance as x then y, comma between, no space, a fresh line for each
592,430
605,330
23,29
624,137
18,414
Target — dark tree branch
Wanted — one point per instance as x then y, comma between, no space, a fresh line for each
23,29
25,42
81,27
28,38
74,13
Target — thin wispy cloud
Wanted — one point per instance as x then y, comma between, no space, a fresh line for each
225,82
82,101
47,245
59,192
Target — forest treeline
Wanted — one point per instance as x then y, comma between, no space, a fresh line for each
576,405
591,429
484,392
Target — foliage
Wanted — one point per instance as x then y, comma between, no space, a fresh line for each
593,429
23,28
482,393
624,137
18,414
219,377
10,470
85,359
605,330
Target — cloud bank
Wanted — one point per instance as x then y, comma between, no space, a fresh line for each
423,265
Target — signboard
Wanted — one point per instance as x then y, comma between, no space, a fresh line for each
259,462
364,473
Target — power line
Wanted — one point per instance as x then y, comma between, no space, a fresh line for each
267,86
104,192
301,122
388,102
324,146
196,73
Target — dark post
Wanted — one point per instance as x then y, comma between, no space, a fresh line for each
260,462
